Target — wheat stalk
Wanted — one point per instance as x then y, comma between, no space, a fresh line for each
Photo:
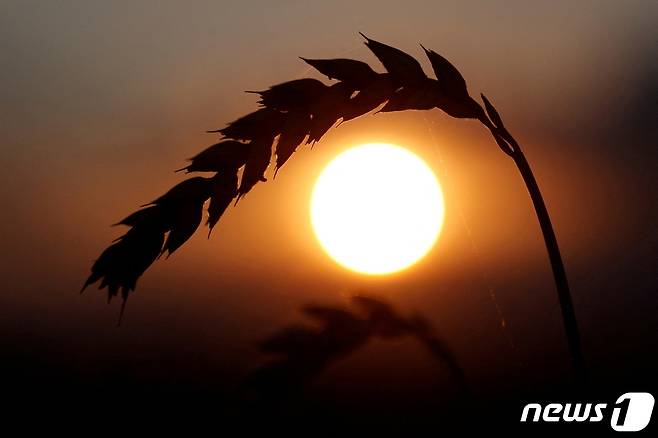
301,112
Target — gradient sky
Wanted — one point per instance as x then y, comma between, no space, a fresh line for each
100,101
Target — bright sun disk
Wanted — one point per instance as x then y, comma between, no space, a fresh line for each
377,208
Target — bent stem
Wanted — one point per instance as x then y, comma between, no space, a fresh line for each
511,147
559,274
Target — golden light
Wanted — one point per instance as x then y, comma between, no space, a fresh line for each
377,208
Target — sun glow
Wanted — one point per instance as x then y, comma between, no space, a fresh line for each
377,208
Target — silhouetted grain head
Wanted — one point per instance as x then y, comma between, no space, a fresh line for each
141,246
451,80
327,110
495,124
148,216
422,96
369,98
191,189
292,95
404,68
493,114
260,123
356,73
185,219
294,132
122,263
103,264
455,100
462,109
259,158
294,111
178,211
224,189
225,156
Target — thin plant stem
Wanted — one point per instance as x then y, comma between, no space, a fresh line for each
559,274
512,148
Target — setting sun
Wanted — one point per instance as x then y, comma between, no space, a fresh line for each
377,208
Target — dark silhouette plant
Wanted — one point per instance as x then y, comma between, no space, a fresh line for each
303,351
301,112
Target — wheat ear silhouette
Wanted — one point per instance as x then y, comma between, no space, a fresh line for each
300,112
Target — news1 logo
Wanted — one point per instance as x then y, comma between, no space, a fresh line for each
631,412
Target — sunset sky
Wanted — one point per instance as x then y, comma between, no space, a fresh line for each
101,101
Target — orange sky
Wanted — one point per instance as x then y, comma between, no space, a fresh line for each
100,102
